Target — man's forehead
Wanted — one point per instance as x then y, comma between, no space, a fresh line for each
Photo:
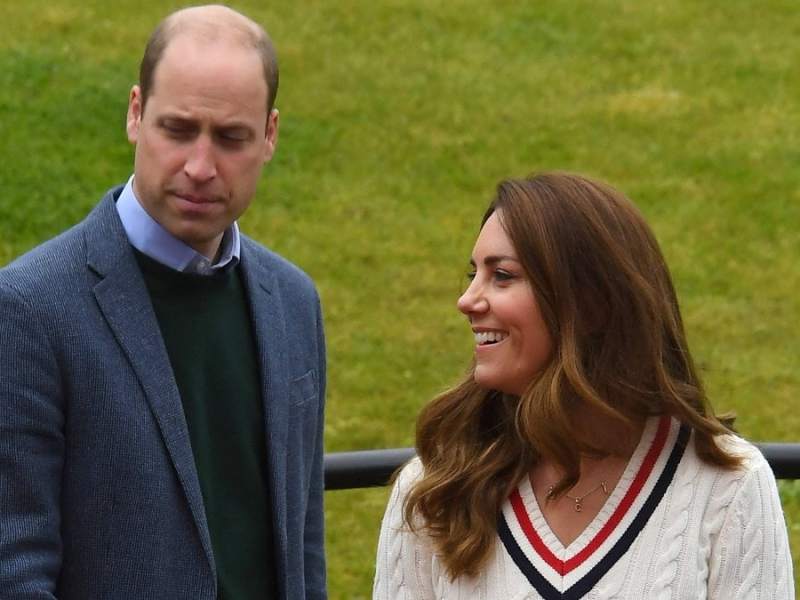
191,40
196,74
186,48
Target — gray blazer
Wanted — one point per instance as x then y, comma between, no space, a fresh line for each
99,494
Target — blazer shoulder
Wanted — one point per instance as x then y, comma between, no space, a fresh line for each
60,259
41,268
284,270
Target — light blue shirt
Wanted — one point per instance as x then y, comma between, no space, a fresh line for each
150,238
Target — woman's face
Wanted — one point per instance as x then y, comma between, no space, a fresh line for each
512,343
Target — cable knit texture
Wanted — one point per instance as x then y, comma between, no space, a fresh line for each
715,534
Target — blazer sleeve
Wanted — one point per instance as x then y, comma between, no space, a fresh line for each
31,453
314,533
750,557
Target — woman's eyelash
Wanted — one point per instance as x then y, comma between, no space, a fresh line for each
498,274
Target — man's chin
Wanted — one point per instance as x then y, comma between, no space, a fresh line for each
200,240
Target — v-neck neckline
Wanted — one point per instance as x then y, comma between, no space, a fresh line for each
567,573
539,521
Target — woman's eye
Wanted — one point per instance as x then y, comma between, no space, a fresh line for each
471,275
501,275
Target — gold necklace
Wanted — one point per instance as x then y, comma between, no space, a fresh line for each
579,499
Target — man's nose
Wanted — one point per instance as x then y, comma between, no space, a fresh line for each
200,164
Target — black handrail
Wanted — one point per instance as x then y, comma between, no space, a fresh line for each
371,468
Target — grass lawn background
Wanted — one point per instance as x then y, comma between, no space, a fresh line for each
397,120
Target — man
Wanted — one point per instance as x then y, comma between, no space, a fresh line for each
161,375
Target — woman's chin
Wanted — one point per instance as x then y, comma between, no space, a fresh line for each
496,384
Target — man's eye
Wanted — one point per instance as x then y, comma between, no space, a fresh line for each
177,131
233,137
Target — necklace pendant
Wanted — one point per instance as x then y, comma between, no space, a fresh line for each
578,505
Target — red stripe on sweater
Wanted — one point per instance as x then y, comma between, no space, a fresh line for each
636,487
563,567
530,532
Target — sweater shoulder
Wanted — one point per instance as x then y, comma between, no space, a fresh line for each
724,485
740,446
407,476
752,458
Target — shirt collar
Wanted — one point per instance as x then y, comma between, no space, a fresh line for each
150,238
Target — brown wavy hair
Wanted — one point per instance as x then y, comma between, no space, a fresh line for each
619,348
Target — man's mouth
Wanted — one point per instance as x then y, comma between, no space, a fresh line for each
485,338
195,199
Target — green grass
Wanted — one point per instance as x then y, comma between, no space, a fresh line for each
397,120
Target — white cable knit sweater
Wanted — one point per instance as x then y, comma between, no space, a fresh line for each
674,527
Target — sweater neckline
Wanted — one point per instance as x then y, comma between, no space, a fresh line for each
611,505
554,569
162,277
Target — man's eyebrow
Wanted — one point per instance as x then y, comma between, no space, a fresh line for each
234,127
175,119
494,259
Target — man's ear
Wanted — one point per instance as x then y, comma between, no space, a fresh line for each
271,135
134,114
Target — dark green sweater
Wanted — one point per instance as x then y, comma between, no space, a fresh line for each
206,327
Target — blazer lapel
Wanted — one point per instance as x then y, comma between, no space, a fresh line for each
125,303
270,334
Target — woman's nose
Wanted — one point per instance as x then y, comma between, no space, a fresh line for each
472,300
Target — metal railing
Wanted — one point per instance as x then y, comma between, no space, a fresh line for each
371,468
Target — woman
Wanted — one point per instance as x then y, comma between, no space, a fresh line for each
579,458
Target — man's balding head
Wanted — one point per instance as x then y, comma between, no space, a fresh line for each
212,23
